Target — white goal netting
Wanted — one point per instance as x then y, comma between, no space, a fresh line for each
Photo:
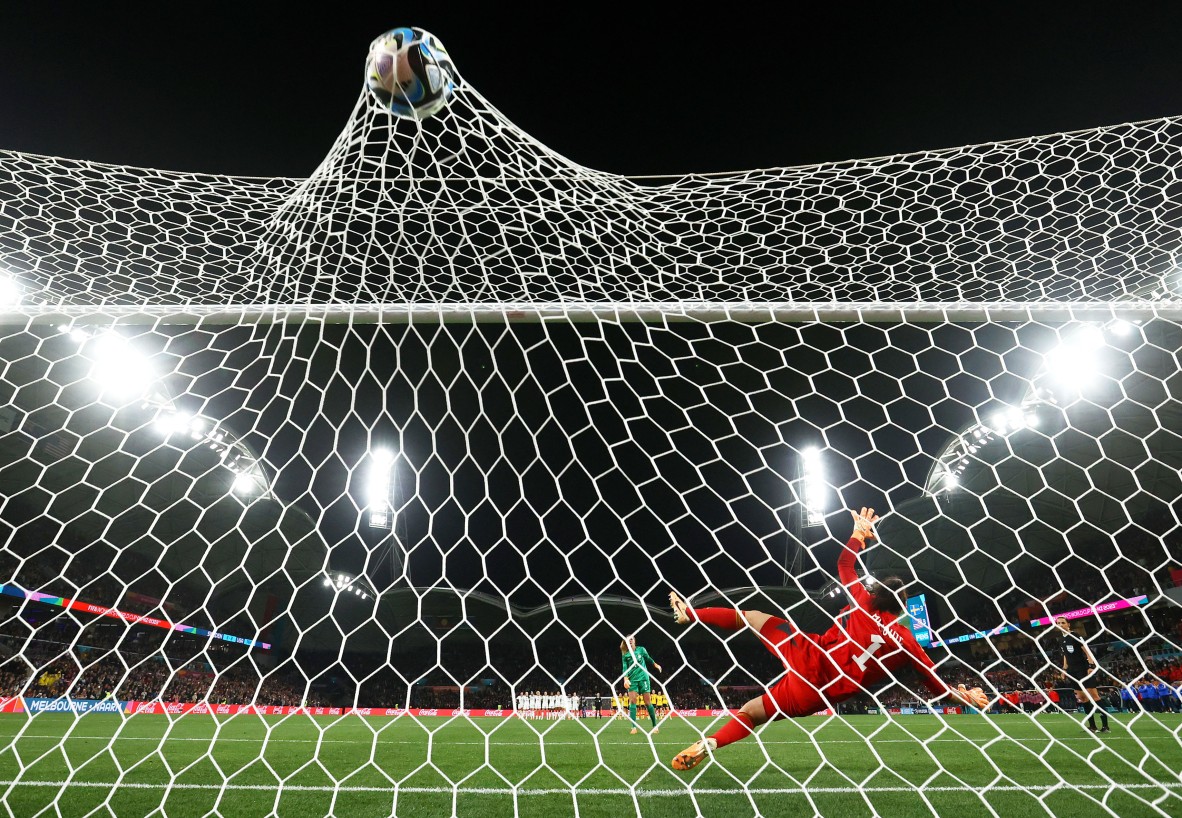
402,451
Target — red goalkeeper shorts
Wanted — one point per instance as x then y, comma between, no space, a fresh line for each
797,692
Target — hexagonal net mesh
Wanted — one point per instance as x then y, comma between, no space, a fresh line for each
347,491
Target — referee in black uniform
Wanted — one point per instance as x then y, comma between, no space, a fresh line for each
1079,665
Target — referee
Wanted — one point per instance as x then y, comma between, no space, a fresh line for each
1079,665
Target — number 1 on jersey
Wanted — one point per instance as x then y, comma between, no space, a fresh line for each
876,642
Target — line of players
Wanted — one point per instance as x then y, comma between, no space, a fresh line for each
563,706
539,705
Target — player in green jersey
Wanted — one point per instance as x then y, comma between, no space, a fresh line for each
635,663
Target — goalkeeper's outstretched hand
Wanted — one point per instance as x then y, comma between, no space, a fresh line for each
864,521
975,697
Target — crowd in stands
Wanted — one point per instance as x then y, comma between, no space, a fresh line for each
144,664
697,677
56,656
53,654
1146,565
149,679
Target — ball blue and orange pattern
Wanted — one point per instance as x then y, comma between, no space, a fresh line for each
409,73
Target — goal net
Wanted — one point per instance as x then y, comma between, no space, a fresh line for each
341,493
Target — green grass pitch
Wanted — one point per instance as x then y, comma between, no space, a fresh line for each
962,766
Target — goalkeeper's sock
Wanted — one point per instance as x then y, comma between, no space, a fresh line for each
652,715
632,714
737,728
729,619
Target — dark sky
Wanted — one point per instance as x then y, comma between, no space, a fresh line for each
263,88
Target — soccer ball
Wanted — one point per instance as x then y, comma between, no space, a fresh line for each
409,73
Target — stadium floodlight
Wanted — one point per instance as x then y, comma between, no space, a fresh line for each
1072,364
815,492
346,584
171,423
246,484
10,292
1011,419
378,486
998,422
118,369
815,495
951,481
76,334
1089,336
376,493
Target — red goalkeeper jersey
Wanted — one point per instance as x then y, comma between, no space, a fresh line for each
866,644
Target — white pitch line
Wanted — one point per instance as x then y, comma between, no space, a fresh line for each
640,793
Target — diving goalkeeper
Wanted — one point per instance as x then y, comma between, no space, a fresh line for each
824,669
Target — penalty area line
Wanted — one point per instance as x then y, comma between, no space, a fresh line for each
590,791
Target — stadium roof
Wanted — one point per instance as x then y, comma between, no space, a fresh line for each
406,618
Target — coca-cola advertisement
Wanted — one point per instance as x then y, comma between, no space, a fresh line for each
18,705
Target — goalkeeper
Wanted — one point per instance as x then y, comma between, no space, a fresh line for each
824,669
637,681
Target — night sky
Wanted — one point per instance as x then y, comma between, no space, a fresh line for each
262,89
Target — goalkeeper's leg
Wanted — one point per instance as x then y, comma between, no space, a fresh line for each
752,714
727,619
791,697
